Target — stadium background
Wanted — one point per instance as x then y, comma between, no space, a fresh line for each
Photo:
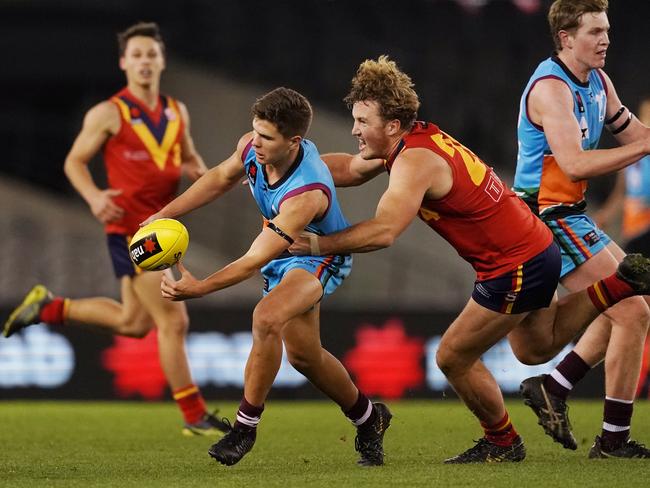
469,60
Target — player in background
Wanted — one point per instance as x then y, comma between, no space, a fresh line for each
146,145
436,178
294,191
631,195
564,107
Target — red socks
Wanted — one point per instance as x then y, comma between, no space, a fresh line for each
53,313
608,292
502,433
191,403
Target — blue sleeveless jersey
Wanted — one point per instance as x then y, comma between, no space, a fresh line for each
538,178
307,173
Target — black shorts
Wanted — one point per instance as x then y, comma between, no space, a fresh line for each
530,286
118,248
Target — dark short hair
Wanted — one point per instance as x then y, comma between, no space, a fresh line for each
146,29
286,108
566,15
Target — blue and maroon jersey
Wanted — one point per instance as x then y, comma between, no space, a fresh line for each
539,180
487,224
144,158
308,172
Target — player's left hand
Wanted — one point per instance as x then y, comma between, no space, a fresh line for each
305,245
177,290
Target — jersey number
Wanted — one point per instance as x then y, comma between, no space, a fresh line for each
475,166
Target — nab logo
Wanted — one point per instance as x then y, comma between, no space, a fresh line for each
252,174
145,248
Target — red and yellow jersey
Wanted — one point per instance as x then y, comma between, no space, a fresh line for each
487,224
144,158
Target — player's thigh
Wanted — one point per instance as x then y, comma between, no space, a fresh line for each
595,268
133,312
165,313
296,293
475,331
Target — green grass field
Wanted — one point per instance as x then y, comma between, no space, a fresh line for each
72,444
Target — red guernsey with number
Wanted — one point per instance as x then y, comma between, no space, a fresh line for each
487,224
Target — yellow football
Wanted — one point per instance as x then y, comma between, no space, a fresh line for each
159,244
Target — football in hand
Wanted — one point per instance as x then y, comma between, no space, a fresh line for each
159,244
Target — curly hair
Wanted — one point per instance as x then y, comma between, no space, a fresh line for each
287,109
566,15
381,81
145,29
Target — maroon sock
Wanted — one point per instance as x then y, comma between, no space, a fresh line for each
53,313
608,292
361,412
616,423
566,375
248,416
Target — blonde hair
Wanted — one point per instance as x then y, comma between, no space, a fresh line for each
381,81
566,15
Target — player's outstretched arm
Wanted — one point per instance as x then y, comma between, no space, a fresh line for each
192,163
214,183
352,170
100,123
416,172
295,214
550,104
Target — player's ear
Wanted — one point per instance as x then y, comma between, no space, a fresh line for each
393,127
122,63
295,141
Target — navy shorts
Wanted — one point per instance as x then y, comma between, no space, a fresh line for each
118,248
530,286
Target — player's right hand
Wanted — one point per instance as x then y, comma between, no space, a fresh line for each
103,207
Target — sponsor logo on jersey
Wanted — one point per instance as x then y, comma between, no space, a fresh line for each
591,238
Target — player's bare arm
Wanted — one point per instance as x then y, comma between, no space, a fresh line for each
214,183
550,104
101,122
295,214
626,127
352,170
415,174
192,163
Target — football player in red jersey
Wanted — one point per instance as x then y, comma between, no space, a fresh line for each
146,144
517,263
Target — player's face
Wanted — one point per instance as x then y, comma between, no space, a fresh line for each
370,129
590,40
143,61
270,146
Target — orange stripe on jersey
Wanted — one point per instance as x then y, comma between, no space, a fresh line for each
556,188
577,242
325,264
159,152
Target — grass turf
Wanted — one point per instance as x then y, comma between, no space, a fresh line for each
76,444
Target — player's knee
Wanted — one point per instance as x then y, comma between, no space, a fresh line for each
447,360
533,358
634,316
136,329
266,322
176,325
301,362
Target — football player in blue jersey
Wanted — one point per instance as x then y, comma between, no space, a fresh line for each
294,191
564,107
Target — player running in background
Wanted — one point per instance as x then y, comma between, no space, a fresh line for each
294,191
564,107
434,177
146,143
631,195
